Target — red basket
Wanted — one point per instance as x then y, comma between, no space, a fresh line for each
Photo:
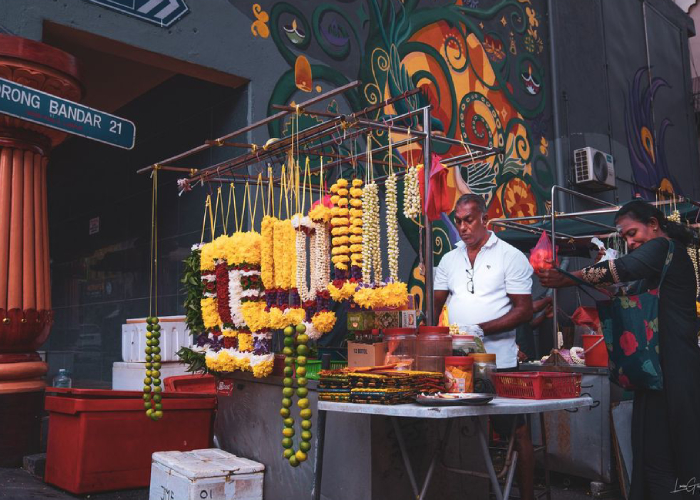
537,385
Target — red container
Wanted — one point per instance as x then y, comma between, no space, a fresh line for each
596,354
101,440
542,385
198,384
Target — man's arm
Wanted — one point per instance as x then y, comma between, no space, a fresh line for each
439,298
520,313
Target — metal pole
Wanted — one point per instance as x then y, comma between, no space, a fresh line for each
428,226
555,316
320,440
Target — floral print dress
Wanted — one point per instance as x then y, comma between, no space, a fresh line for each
666,423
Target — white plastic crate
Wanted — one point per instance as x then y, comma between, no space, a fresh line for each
205,475
173,335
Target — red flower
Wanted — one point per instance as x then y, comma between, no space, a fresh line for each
325,294
654,292
629,343
649,330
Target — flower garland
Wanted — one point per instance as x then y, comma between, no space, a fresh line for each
411,193
222,293
371,256
267,264
151,387
392,225
340,226
356,229
295,357
281,254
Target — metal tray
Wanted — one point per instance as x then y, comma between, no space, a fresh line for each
470,398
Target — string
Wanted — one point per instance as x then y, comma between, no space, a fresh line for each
255,204
303,187
262,191
391,154
270,192
207,204
235,207
223,218
212,221
154,188
322,185
282,184
245,197
216,213
250,198
228,211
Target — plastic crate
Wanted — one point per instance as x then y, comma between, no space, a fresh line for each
537,385
198,384
313,367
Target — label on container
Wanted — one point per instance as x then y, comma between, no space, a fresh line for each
458,379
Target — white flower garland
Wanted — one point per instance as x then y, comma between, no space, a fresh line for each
235,293
411,193
392,225
371,249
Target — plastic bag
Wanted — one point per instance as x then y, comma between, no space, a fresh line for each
541,253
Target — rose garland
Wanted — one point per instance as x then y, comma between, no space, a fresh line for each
297,357
151,387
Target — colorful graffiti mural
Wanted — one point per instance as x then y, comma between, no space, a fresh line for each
479,64
645,143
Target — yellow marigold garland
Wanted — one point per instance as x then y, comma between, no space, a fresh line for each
324,321
340,225
267,263
210,313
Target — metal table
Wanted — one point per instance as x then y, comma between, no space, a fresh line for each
499,406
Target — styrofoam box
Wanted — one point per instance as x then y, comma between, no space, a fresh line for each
129,376
205,475
174,334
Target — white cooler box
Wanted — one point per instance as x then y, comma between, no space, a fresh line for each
173,335
205,474
129,376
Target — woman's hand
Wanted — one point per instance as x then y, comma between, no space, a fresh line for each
551,278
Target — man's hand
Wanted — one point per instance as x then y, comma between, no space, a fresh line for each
520,313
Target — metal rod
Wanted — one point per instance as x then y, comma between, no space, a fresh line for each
404,455
395,128
428,225
583,196
555,314
458,160
487,458
526,229
509,479
255,125
349,159
232,144
320,441
594,223
556,111
302,111
433,462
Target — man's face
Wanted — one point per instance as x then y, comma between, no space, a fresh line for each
471,223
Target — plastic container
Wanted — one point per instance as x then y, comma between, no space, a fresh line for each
463,345
432,345
313,367
542,385
191,384
62,379
101,440
401,347
484,366
596,354
459,374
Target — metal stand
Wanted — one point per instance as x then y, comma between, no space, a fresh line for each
320,440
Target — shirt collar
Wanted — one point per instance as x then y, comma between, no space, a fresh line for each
493,239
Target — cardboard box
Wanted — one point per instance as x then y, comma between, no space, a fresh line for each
360,320
392,318
366,354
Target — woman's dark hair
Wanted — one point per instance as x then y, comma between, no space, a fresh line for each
643,212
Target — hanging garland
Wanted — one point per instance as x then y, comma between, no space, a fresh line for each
151,387
371,257
411,193
295,357
392,227
356,229
340,227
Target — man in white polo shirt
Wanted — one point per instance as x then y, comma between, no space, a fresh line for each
488,283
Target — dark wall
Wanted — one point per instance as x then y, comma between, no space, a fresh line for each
608,55
100,280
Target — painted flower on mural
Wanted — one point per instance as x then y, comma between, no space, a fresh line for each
518,200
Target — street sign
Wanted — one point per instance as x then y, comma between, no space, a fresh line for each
68,116
161,12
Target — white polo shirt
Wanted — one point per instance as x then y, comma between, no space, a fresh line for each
499,269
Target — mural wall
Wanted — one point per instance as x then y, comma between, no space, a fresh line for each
481,65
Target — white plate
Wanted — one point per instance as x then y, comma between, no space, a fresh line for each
455,398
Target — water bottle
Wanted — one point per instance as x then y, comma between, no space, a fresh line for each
62,379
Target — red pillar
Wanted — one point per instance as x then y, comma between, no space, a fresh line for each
25,286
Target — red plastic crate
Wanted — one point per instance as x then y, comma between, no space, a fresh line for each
101,440
537,385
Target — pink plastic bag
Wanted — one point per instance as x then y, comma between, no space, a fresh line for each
542,253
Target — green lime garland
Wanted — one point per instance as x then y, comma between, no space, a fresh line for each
152,388
299,356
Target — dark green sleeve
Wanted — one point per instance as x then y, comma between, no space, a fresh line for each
646,262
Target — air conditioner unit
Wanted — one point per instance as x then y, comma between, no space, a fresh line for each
594,169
